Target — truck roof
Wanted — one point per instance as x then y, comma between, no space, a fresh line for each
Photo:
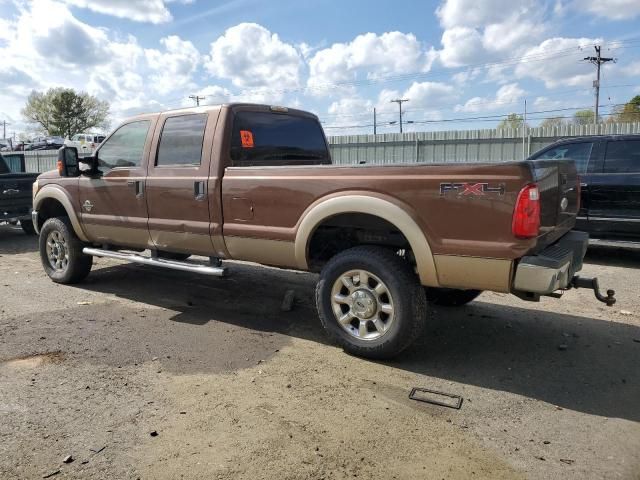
597,137
233,105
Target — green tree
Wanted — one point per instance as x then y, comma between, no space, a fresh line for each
513,120
584,117
630,112
553,122
65,112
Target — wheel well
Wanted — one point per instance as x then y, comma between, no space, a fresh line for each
348,230
49,208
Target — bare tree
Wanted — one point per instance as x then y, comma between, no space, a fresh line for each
64,112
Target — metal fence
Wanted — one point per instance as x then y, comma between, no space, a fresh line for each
35,161
460,146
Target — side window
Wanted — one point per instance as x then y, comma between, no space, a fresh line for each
622,156
125,147
181,140
578,152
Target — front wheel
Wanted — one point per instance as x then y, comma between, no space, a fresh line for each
450,297
370,302
61,252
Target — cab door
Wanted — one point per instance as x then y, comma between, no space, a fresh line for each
113,204
178,183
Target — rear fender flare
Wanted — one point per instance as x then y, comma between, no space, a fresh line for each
372,205
57,193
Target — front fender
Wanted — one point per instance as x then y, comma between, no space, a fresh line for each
57,193
372,205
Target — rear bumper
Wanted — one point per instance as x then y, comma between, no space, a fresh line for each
553,268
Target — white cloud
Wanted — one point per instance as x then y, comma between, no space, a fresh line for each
374,55
611,9
153,11
562,70
250,56
175,66
478,13
480,31
461,46
506,95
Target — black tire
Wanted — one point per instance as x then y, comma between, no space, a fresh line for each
404,290
78,265
450,297
27,227
173,256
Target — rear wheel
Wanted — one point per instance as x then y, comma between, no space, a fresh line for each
61,252
370,302
27,227
450,297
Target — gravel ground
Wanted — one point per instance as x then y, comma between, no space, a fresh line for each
145,373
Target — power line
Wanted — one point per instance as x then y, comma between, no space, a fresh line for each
598,61
482,118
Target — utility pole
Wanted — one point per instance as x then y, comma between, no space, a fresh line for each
597,61
524,130
197,99
400,101
4,129
375,126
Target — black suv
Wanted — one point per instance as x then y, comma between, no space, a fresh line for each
609,168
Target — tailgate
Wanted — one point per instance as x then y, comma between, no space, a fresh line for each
15,192
559,187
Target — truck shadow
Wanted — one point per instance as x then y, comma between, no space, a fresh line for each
578,363
14,240
613,257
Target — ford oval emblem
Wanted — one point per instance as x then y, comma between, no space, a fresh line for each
564,203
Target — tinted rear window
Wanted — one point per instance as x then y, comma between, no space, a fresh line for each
263,138
623,156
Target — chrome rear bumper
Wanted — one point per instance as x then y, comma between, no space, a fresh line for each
553,268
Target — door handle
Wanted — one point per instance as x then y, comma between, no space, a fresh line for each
198,190
138,185
583,184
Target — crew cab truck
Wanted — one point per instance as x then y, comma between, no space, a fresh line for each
15,192
256,183
609,169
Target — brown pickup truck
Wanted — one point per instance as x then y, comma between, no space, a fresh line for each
256,183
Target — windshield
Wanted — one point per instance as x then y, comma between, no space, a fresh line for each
270,139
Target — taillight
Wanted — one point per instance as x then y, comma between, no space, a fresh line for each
526,215
60,168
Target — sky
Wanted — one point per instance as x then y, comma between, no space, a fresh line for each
463,64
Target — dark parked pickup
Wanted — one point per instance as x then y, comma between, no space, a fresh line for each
16,191
609,169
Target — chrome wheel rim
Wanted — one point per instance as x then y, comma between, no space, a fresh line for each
362,305
57,252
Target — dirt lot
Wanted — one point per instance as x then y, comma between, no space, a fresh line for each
235,388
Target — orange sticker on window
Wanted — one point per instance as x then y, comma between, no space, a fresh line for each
247,138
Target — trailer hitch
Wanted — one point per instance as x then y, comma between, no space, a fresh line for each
592,283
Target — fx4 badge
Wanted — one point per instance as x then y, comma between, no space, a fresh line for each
466,189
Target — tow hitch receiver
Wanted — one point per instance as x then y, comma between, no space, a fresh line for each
592,283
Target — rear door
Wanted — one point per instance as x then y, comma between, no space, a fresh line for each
615,190
177,184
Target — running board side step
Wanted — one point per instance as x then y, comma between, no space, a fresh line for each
157,262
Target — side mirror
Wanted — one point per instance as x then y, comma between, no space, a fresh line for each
68,162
